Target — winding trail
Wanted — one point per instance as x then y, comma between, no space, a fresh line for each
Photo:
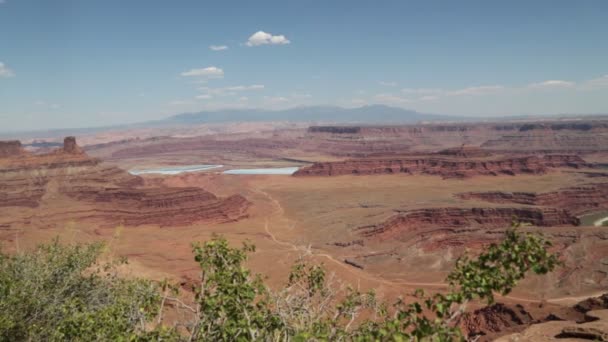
378,279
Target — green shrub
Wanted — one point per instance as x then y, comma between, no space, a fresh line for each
63,293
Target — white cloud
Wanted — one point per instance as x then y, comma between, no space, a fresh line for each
47,105
180,103
596,83
244,88
275,99
422,91
209,72
227,91
5,72
264,38
387,83
218,47
552,84
480,90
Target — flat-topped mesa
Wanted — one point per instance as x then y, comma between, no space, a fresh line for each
11,148
465,152
578,200
335,129
447,168
565,160
443,219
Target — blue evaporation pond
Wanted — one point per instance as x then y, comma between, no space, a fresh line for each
174,170
269,171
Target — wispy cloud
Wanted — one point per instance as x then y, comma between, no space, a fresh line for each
422,91
595,83
181,103
478,90
5,72
552,84
208,72
218,47
388,83
209,92
264,38
244,88
47,105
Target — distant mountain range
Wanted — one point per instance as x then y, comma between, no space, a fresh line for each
365,114
373,114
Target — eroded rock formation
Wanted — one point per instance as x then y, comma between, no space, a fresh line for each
578,200
445,167
10,148
465,152
450,220
431,166
90,190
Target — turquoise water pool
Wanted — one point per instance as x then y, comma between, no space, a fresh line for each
267,171
174,170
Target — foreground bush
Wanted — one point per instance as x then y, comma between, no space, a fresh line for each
63,293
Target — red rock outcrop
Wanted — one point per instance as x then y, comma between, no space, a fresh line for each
70,146
106,194
447,168
495,318
565,160
578,200
465,152
10,148
413,221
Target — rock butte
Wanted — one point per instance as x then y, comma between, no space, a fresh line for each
103,193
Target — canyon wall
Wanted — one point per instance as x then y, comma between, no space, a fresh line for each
432,166
461,218
447,168
73,186
578,200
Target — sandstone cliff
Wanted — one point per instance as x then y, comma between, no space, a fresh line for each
447,168
10,148
578,200
450,219
79,188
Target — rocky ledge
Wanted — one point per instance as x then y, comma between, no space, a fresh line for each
444,167
578,200
455,218
78,187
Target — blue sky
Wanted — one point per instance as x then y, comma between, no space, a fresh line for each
86,63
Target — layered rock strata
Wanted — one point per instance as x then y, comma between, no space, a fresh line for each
578,200
451,219
90,190
447,168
